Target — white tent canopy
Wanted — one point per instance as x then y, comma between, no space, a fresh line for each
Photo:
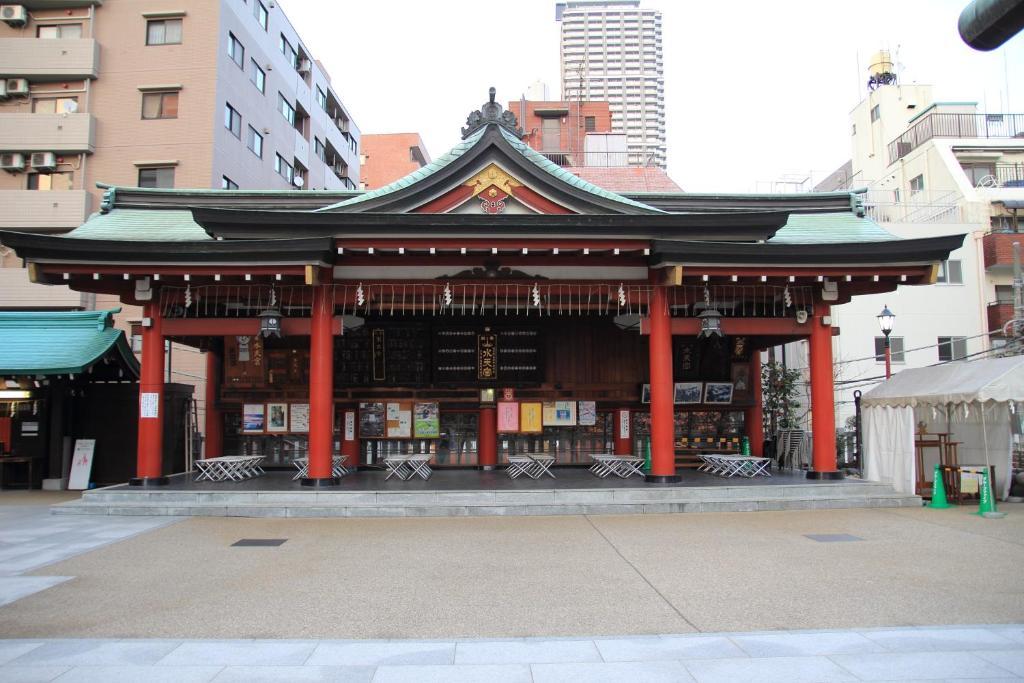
977,401
992,379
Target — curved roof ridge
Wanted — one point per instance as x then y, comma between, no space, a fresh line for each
417,175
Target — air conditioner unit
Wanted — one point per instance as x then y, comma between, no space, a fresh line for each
12,162
43,161
3,89
14,15
17,86
304,66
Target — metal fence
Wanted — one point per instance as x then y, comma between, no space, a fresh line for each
956,126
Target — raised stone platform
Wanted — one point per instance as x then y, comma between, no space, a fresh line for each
473,493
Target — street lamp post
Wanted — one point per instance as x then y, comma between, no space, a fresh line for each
885,321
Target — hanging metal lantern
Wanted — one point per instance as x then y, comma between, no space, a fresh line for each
270,323
710,323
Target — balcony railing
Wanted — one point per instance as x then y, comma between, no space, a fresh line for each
44,210
565,157
1006,175
940,125
48,59
69,133
923,207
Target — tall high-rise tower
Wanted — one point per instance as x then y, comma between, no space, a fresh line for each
611,50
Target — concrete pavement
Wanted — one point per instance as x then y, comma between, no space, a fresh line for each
536,576
989,653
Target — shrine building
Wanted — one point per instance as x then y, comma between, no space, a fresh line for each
488,304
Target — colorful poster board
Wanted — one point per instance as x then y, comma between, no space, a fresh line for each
253,417
399,420
426,421
371,420
298,415
277,417
508,416
81,464
531,418
559,413
587,415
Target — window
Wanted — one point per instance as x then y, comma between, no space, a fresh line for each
976,173
321,98
950,273
1004,294
257,76
260,12
53,105
916,184
163,32
288,51
50,181
286,108
589,124
875,113
160,105
551,135
227,183
233,120
236,51
283,168
255,142
952,348
59,31
156,177
319,150
895,349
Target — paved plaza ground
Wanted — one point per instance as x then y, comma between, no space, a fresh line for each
569,598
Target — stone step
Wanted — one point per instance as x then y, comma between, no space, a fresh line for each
408,509
491,497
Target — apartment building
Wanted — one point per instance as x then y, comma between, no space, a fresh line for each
611,50
191,94
386,157
132,92
932,168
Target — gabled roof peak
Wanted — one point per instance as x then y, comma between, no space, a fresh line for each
488,113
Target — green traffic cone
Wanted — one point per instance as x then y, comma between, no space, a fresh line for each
986,501
939,501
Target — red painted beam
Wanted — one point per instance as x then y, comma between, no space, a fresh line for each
144,270
447,201
737,326
226,327
499,240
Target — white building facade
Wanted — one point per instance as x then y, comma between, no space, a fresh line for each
611,50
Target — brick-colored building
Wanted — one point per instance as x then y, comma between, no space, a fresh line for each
558,129
386,157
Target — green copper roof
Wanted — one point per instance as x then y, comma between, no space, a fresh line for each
823,228
528,152
59,343
155,225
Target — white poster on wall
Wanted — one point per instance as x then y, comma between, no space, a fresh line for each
350,425
623,424
149,404
81,464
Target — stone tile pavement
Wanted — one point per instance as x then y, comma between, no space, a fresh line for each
961,653
31,537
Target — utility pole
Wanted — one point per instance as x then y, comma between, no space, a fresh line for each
1017,345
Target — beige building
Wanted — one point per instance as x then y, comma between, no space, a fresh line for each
189,94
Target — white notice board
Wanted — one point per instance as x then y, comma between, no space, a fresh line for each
81,464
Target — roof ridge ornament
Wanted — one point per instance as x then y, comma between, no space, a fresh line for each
491,112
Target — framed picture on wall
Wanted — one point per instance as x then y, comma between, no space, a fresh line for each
741,380
252,417
719,393
277,417
687,392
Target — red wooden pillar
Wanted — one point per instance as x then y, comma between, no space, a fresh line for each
350,437
214,426
149,454
823,407
487,437
623,442
321,389
663,456
755,413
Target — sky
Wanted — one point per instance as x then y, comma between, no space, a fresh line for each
756,92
